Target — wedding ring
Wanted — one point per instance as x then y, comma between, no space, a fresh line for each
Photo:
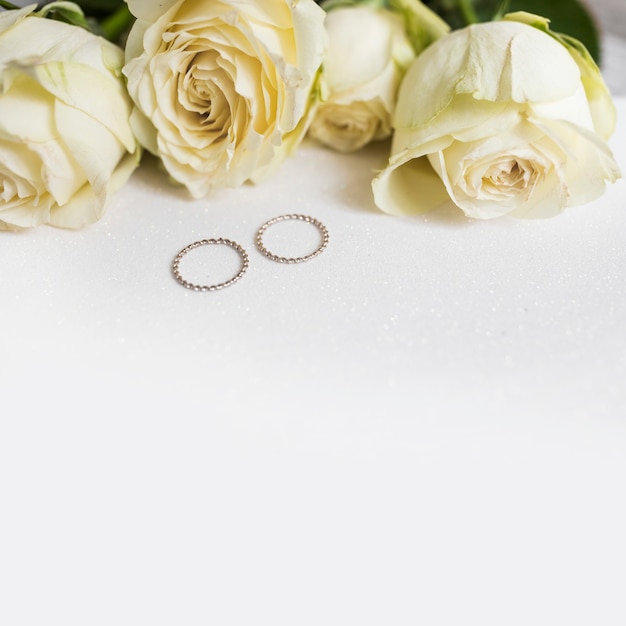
300,259
243,255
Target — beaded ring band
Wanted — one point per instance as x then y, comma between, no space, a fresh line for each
281,259
209,242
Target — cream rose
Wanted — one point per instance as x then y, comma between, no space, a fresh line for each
65,140
222,88
368,52
499,118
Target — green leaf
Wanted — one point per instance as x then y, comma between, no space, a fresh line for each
569,17
99,7
67,12
116,25
113,25
460,13
329,5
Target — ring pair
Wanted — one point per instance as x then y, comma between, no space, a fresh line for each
244,255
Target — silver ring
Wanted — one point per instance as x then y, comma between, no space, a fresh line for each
300,259
209,242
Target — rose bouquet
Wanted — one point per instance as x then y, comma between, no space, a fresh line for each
486,104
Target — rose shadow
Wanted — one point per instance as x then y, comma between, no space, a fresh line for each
352,191
356,193
152,177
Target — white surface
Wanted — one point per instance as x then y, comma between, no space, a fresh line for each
451,315
424,425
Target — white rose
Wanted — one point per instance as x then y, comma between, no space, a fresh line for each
65,141
368,52
222,88
497,117
601,106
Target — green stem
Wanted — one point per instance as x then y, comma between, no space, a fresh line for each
8,5
469,13
114,26
503,9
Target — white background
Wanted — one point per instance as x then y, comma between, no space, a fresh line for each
423,425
